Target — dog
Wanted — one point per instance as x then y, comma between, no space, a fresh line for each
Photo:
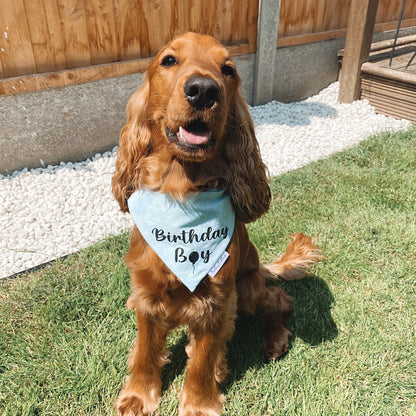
189,146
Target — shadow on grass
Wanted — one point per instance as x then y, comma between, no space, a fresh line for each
311,321
312,302
177,362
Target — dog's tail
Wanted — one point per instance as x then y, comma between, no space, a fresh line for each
301,254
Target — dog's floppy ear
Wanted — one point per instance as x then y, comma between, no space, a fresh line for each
247,179
133,146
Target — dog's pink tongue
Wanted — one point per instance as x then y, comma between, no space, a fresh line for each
194,138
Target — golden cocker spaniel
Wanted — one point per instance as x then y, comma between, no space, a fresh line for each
189,136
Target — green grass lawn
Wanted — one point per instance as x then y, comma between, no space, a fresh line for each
65,334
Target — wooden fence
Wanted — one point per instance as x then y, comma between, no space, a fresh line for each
70,41
305,21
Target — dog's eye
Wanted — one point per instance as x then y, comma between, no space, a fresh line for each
227,70
169,61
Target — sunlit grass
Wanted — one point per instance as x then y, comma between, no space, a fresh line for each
65,333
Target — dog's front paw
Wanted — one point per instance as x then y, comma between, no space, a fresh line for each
132,403
199,411
192,405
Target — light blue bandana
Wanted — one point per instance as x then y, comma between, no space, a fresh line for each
190,236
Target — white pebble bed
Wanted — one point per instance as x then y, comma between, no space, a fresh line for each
49,212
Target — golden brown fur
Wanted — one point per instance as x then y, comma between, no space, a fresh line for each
147,157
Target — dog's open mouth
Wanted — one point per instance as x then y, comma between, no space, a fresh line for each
195,135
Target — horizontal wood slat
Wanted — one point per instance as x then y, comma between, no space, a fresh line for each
391,74
68,77
93,73
392,97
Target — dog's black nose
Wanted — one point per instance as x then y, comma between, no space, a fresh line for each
201,92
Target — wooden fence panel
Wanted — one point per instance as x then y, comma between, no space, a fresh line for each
303,21
129,29
389,10
39,36
85,36
15,44
102,34
74,24
55,42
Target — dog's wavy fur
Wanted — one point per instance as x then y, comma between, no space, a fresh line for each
147,159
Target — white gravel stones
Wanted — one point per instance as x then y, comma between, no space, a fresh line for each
50,212
293,135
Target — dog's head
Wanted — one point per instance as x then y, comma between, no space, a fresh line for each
192,84
190,109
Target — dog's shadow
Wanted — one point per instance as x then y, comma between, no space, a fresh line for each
312,303
311,321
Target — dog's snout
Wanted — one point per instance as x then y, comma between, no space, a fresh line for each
201,92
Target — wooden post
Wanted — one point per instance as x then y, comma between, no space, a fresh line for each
266,51
357,47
